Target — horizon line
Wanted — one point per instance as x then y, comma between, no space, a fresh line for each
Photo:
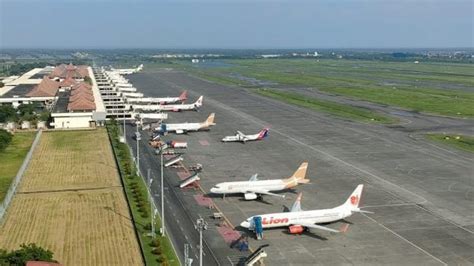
228,48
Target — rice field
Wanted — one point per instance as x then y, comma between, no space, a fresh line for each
71,160
71,202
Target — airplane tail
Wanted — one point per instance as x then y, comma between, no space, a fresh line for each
198,103
183,96
263,133
299,177
300,174
354,199
210,120
297,204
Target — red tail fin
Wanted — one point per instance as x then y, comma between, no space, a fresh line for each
263,133
354,199
183,96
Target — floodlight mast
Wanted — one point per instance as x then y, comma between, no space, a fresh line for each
138,137
201,225
152,206
162,149
124,132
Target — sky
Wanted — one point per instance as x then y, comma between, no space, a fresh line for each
236,24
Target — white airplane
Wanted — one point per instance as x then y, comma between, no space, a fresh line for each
239,136
164,100
170,107
252,188
186,127
127,71
298,220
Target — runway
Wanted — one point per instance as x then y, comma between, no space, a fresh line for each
422,195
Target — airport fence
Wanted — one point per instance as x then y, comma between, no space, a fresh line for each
12,190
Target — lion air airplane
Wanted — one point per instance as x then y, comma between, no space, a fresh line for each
252,188
186,127
164,100
298,220
239,136
171,107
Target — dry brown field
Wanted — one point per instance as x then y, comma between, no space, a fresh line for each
71,160
71,202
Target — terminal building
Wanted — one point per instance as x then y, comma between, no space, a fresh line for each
69,92
77,96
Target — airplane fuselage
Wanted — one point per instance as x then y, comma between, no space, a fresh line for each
239,137
242,186
286,219
170,107
184,126
164,100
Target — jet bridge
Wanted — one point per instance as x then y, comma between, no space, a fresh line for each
258,255
173,161
193,178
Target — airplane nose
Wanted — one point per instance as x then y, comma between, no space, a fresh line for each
245,224
213,190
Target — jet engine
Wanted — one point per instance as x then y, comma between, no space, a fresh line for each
296,229
250,196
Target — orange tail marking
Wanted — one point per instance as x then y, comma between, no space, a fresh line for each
301,171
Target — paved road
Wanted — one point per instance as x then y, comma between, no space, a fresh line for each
422,194
179,223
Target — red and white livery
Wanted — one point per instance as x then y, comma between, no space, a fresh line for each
241,137
298,220
163,100
171,107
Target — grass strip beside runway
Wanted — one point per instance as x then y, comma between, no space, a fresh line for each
465,143
158,251
337,109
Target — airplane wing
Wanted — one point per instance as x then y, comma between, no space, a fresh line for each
265,192
320,227
240,133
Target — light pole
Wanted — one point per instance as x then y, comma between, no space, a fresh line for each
138,137
201,225
162,149
124,134
152,205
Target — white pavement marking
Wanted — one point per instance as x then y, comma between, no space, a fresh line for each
390,205
406,240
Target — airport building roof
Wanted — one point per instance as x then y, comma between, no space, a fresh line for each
81,104
81,87
85,95
81,98
18,91
46,88
68,82
64,71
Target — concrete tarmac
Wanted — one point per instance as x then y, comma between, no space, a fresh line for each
422,195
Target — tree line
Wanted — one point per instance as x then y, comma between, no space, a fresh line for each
25,112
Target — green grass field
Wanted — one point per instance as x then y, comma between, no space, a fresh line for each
337,109
465,143
438,88
11,159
